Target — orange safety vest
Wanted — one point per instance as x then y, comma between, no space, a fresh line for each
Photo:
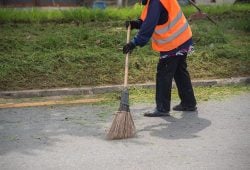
174,32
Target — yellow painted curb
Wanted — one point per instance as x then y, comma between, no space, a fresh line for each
48,103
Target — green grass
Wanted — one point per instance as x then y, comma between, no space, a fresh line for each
143,95
218,9
85,53
84,15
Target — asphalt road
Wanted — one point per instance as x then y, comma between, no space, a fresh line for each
217,136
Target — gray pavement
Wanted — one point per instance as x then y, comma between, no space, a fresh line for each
217,136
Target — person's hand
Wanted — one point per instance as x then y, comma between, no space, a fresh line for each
134,24
128,48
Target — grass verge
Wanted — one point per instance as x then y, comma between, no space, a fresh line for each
137,95
74,54
83,15
143,95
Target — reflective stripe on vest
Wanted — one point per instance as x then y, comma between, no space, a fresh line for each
173,36
174,32
170,25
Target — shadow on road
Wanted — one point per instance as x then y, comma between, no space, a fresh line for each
185,127
28,130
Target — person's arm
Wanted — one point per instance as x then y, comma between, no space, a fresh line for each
148,25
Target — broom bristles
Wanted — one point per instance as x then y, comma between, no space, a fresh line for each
122,126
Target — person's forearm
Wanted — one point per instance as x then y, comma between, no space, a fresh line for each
148,25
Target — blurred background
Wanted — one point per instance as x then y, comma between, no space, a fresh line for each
93,3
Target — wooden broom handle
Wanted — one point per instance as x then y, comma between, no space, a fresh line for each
126,60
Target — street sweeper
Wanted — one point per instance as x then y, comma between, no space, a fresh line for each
164,22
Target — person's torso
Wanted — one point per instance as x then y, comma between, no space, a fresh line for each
172,29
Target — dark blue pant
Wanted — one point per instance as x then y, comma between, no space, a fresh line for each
167,69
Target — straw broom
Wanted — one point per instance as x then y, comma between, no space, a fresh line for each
123,125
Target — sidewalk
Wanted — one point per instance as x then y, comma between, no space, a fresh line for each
111,88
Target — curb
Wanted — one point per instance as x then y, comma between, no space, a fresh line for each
112,88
